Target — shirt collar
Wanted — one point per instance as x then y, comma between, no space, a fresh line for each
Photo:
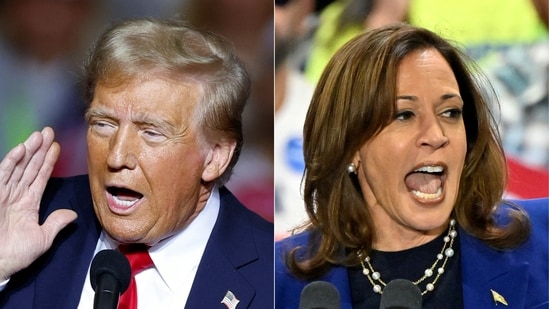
177,258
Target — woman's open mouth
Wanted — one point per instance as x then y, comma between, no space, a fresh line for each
426,183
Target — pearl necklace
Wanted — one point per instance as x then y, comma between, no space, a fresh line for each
445,253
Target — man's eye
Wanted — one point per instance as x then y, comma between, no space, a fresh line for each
153,135
102,127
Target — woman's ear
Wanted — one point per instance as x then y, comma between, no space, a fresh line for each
356,159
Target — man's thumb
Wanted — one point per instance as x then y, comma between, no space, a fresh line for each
56,221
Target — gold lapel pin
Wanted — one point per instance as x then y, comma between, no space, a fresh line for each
498,298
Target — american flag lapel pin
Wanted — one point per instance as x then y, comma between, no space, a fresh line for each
230,300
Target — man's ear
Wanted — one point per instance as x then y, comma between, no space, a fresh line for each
218,160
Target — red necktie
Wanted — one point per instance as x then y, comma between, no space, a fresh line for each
139,260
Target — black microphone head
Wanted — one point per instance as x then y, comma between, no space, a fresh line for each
111,262
401,294
319,295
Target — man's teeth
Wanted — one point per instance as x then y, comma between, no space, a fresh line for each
430,169
124,203
428,196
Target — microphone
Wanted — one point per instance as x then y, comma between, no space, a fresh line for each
401,294
319,295
110,275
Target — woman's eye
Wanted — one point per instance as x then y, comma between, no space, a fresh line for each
452,113
404,115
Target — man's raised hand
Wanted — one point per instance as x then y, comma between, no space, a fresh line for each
24,173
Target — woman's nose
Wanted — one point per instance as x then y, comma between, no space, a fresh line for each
432,134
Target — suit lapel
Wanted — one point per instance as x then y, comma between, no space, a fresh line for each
230,247
216,276
485,271
66,264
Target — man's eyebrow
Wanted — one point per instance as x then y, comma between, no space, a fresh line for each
96,112
137,118
146,119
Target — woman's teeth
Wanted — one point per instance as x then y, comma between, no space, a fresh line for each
428,196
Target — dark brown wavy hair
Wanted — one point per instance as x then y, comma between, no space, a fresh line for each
354,101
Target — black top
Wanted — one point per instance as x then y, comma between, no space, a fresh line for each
410,264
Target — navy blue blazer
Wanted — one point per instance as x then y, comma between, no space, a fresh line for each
238,256
519,275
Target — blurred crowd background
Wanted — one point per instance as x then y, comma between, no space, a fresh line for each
285,46
43,44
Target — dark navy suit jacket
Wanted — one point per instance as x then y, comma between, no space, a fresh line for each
519,275
238,256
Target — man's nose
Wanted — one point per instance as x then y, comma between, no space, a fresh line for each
122,150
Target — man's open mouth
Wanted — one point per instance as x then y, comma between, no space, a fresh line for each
123,197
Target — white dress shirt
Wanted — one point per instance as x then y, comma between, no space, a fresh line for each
176,259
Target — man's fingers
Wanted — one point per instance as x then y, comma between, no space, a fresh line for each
55,222
31,146
46,168
38,157
9,162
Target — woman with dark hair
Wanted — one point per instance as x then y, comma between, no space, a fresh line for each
404,180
